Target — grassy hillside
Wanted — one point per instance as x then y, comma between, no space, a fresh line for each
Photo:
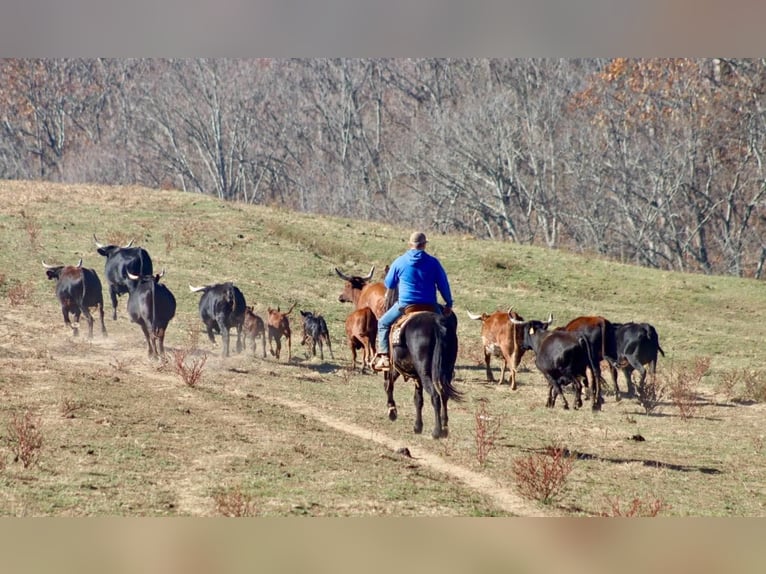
141,442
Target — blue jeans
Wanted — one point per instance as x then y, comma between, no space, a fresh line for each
384,326
386,322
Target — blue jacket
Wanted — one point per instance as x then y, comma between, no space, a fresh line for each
418,275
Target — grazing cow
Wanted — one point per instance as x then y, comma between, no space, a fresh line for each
362,332
152,305
501,338
78,289
562,357
637,345
254,327
359,291
600,334
315,331
119,262
279,326
222,307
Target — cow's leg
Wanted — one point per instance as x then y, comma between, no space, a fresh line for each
445,417
329,347
555,391
160,339
113,297
389,378
515,360
278,347
352,346
89,318
487,359
148,339
240,342
636,364
101,317
263,343
76,323
209,326
289,348
225,333
65,313
418,400
577,388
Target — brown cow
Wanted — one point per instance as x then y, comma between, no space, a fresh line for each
279,326
600,333
254,327
501,338
361,331
359,291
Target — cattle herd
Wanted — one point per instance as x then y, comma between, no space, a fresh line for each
571,354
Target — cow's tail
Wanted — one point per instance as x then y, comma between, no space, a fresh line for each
656,340
442,369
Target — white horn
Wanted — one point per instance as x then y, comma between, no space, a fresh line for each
79,263
550,318
472,316
133,277
99,245
195,289
49,266
129,244
370,275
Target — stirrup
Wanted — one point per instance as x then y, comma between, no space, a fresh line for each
380,363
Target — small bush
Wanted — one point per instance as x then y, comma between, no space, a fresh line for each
486,429
650,394
25,438
69,407
637,508
543,476
191,374
19,293
234,503
683,381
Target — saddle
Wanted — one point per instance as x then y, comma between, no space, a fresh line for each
409,312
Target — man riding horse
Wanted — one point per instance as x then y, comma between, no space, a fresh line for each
417,275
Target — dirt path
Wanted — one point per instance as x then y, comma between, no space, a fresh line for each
505,499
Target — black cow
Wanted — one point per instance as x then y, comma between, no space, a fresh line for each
637,345
78,289
562,357
221,307
119,262
315,331
152,305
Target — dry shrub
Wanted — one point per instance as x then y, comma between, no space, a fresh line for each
25,438
68,407
119,365
651,393
755,387
682,383
234,503
636,509
486,430
19,293
190,373
543,476
32,227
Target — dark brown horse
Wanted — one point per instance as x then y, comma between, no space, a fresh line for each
425,349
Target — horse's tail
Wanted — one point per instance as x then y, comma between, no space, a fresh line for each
442,365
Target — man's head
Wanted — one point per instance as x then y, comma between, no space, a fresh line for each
418,240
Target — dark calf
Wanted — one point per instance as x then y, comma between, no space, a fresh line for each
152,305
637,345
315,332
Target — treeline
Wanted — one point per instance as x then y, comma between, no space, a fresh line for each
653,162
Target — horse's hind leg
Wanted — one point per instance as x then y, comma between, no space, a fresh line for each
388,384
418,398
